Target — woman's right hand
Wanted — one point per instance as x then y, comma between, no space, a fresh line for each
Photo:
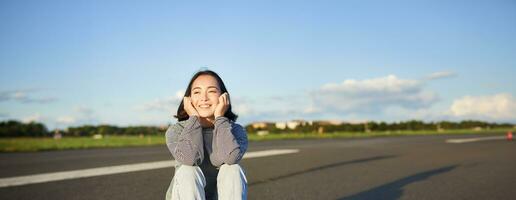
189,108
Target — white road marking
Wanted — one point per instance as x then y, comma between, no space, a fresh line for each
466,140
273,152
99,171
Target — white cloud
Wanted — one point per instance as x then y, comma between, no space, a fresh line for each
85,111
311,109
385,98
440,75
80,115
167,104
242,106
371,95
24,96
388,84
180,94
33,118
85,115
66,120
426,114
496,107
3,115
242,109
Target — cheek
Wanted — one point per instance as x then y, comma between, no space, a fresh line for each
194,100
215,99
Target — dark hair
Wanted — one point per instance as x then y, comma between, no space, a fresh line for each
181,113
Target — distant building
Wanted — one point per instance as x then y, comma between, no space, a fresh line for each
163,127
292,124
281,125
57,135
262,133
328,122
259,125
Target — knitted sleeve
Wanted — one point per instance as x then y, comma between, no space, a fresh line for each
229,142
185,142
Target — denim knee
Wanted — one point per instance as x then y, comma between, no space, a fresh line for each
231,182
234,170
188,183
190,175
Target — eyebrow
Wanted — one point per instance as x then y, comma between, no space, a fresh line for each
208,87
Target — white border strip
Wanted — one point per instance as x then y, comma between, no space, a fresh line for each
466,140
99,171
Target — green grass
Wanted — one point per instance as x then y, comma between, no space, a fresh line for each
28,144
283,136
43,144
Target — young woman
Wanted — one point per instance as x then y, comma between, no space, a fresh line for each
206,143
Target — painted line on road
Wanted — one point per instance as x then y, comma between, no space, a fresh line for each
99,171
466,140
273,152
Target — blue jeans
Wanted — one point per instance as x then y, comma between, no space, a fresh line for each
189,182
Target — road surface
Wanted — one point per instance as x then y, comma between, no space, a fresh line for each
412,167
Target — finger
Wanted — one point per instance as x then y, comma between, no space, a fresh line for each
221,99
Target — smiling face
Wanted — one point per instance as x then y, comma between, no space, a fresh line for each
205,95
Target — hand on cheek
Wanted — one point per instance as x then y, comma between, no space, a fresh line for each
222,106
189,108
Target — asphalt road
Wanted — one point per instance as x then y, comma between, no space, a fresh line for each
419,167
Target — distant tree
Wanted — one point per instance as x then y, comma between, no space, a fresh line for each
13,128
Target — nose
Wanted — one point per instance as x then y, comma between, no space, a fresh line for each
204,96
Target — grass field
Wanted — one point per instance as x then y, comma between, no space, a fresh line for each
46,144
375,134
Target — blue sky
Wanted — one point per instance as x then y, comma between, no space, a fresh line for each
67,63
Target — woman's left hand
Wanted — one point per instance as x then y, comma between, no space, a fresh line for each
222,106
